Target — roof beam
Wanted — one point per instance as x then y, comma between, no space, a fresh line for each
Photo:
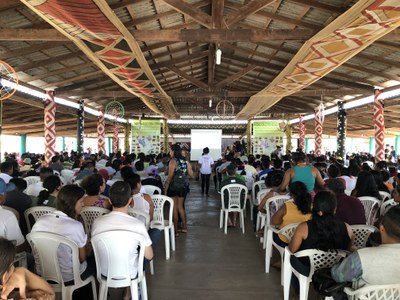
205,94
246,10
191,12
217,12
319,5
235,77
221,35
96,93
31,34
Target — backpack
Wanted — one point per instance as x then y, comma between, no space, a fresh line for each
179,180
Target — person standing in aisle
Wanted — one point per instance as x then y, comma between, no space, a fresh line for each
205,162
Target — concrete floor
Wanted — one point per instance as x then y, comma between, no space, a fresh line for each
208,264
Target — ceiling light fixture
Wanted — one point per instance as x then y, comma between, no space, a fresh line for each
210,103
218,55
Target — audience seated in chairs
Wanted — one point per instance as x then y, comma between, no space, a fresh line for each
375,265
118,219
34,189
48,195
349,209
28,284
64,221
324,232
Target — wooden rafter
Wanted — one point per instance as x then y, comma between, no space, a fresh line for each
191,11
189,78
246,10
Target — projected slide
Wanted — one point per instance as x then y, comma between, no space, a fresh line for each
201,138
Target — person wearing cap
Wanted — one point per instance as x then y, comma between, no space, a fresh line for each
9,227
205,162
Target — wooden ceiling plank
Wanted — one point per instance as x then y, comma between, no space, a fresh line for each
319,5
246,10
211,65
217,13
61,71
191,12
72,79
9,4
30,35
43,63
179,60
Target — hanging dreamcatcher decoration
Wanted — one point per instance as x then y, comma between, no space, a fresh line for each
319,120
225,109
8,81
116,110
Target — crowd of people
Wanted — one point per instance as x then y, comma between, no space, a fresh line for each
324,193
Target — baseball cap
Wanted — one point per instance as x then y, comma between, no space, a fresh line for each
5,188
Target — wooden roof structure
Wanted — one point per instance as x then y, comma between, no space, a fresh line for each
280,58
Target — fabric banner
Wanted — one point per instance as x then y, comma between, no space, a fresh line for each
266,137
115,140
101,128
346,36
302,138
318,132
379,124
146,137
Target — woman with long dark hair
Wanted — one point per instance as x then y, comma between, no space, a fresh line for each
48,195
178,162
94,186
64,221
366,186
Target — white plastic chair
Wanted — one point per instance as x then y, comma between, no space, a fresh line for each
385,195
163,178
67,175
112,250
35,213
318,259
162,224
235,192
151,189
89,214
361,234
260,215
32,180
386,205
271,206
286,231
263,176
374,292
347,192
145,218
371,207
257,187
45,245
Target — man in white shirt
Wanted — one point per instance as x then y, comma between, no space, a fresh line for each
118,219
7,170
205,162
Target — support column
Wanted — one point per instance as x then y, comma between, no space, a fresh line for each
109,145
115,140
306,145
341,130
101,128
63,143
318,117
166,134
49,127
80,127
379,124
302,134
289,131
127,137
248,134
397,145
22,144
371,145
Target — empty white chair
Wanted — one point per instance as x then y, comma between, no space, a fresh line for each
161,223
286,231
237,196
151,189
318,259
271,206
34,213
361,234
113,251
46,246
374,292
371,208
89,214
163,178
